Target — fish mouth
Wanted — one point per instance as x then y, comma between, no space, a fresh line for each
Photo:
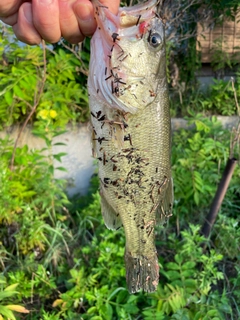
132,16
126,17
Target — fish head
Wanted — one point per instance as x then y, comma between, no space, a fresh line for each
128,56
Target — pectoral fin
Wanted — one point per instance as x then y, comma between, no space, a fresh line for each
111,218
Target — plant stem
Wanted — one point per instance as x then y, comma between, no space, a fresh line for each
37,97
219,196
83,70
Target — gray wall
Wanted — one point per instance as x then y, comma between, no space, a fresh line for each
78,161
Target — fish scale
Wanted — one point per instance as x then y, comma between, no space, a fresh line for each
131,134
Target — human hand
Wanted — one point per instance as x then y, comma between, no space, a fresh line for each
50,20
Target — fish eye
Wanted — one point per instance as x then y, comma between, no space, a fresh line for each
155,40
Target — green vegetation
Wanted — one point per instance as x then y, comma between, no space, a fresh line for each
67,265
57,259
43,79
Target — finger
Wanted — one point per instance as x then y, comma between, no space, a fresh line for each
46,19
85,16
11,20
113,5
24,28
68,22
9,7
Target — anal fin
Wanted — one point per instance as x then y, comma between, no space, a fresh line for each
164,210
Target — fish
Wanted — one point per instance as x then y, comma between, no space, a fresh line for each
130,118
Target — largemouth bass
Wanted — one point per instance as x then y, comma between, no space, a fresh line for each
130,118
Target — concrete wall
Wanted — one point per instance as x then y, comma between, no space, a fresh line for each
79,162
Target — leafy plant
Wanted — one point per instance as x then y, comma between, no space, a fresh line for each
28,199
6,294
221,59
25,69
221,98
197,157
68,278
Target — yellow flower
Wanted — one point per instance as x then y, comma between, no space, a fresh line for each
53,114
43,114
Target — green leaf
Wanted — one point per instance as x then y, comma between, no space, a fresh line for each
188,265
61,169
198,316
188,273
132,298
153,315
191,283
109,311
9,97
18,92
131,308
172,265
122,295
28,194
7,313
59,144
115,292
58,133
178,258
7,294
12,287
58,156
173,275
196,197
92,310
212,313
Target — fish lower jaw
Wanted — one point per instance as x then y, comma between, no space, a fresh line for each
142,272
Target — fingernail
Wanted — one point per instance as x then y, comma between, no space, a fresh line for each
84,12
27,14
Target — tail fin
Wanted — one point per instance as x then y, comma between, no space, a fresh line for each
141,273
